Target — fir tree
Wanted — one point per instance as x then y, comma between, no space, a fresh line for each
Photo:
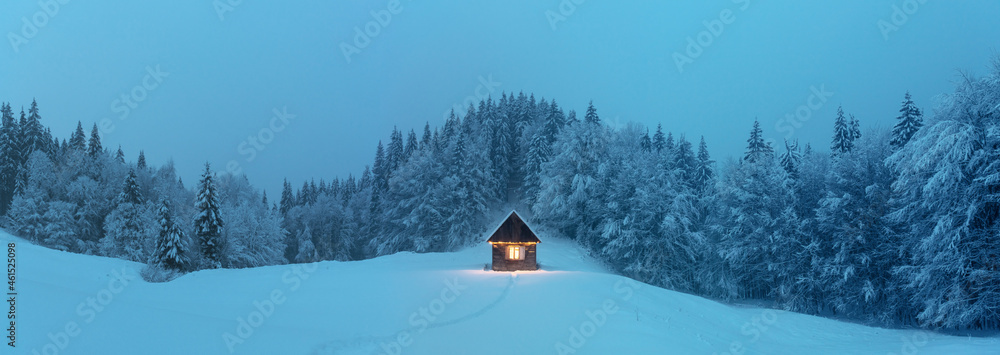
645,143
425,141
208,221
757,149
411,145
141,162
170,248
790,159
591,116
287,198
910,120
394,155
130,191
8,157
120,155
94,148
659,142
705,172
843,133
78,141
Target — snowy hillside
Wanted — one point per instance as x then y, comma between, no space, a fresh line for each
437,303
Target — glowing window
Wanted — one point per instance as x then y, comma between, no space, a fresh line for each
515,252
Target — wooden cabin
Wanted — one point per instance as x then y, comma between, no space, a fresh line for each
514,245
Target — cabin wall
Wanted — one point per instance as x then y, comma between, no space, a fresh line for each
500,262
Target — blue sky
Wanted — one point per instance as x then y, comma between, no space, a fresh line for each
222,77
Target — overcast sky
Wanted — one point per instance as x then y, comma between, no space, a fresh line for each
198,78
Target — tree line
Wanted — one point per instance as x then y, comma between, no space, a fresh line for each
890,227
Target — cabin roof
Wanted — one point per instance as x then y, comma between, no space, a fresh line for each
513,230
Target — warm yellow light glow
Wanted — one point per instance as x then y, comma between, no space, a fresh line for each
515,252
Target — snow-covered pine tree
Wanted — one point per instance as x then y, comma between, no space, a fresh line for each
208,221
120,155
910,119
705,172
8,157
857,251
948,198
411,146
685,162
394,154
140,164
757,148
659,141
78,141
646,144
307,249
94,148
128,229
855,129
591,116
287,197
170,246
426,139
790,160
843,133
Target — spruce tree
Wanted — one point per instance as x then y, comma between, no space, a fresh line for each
645,143
379,178
591,116
94,148
910,120
120,156
208,221
394,155
757,149
790,159
843,133
130,191
658,139
425,141
705,172
78,141
411,145
8,157
855,130
170,248
287,198
141,162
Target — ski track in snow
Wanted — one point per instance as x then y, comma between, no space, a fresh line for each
339,346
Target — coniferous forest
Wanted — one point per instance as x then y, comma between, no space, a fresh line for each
897,226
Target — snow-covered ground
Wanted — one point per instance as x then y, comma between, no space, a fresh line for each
407,303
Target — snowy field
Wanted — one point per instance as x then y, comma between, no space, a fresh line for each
439,303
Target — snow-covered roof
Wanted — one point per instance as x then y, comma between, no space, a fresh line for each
513,229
